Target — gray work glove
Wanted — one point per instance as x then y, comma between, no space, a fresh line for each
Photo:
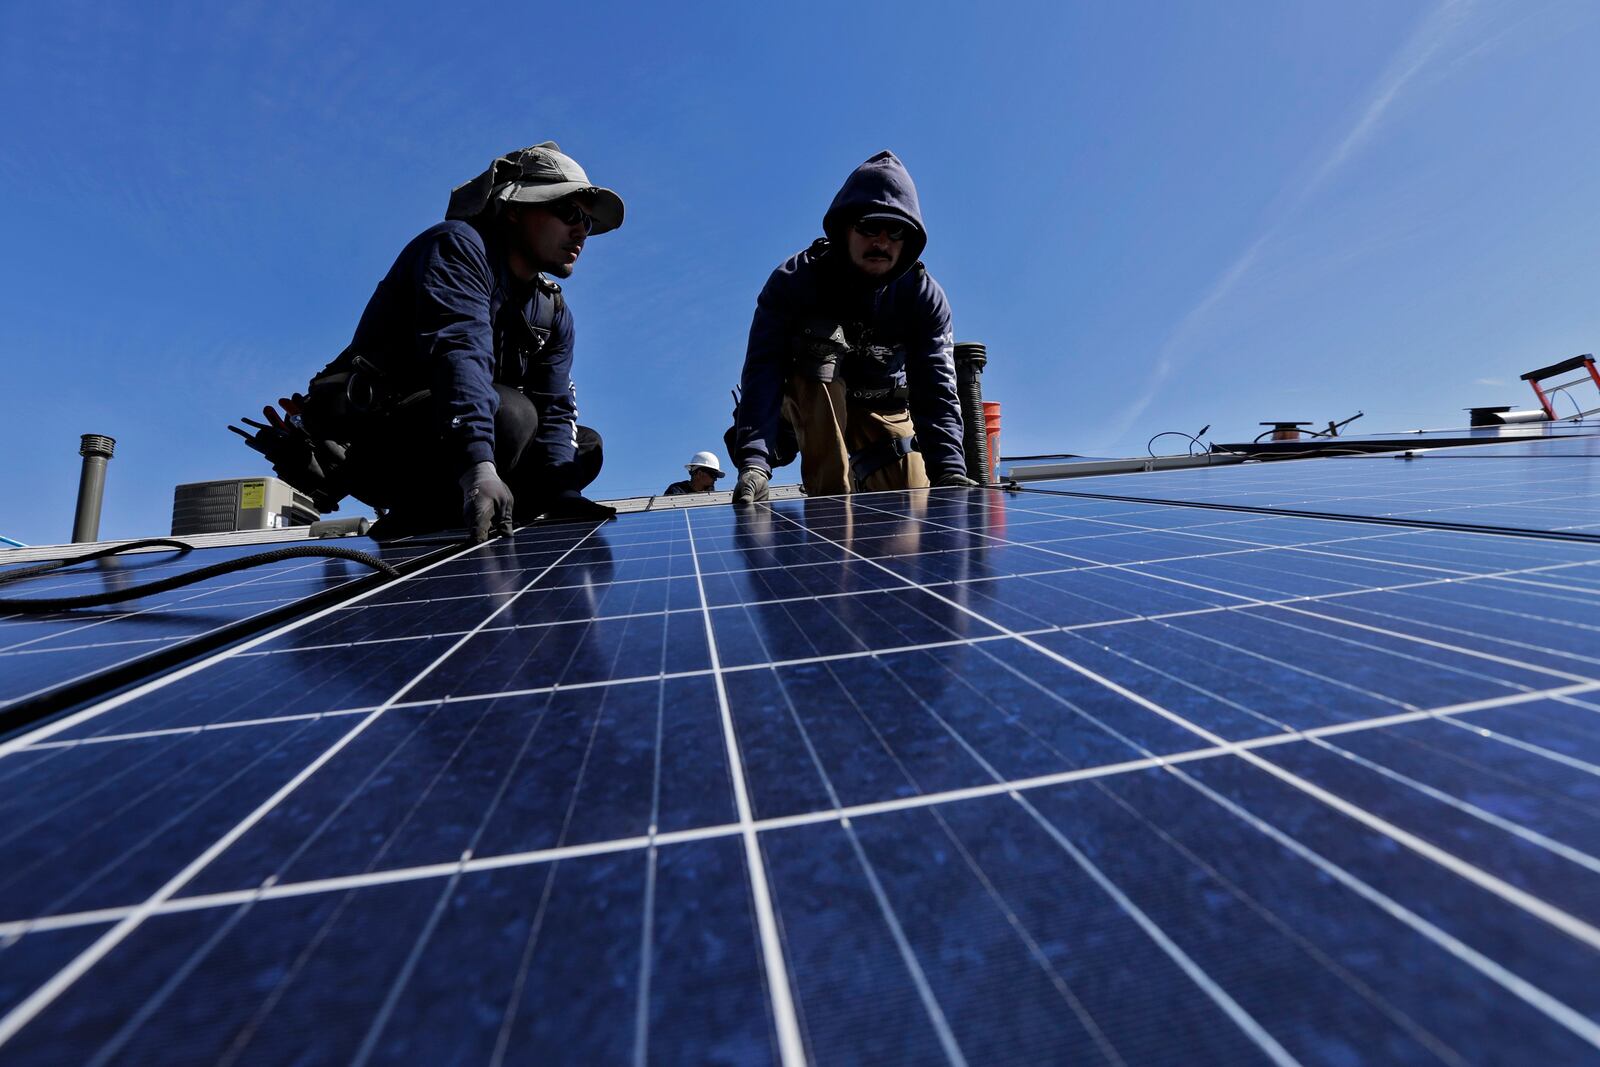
571,504
485,503
751,488
950,479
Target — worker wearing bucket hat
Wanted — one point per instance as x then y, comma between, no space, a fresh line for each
850,355
704,469
454,402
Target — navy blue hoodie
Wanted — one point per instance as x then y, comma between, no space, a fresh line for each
908,308
435,322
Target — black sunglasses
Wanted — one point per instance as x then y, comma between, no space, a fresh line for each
894,231
571,214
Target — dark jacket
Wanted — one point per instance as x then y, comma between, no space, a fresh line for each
451,318
906,314
680,488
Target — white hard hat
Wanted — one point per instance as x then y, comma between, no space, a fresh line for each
704,459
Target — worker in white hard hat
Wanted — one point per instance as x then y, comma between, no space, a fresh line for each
704,469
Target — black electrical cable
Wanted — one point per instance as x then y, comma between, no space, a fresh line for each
1194,439
47,605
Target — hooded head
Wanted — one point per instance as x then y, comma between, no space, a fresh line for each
880,186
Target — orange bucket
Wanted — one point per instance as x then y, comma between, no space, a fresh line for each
991,430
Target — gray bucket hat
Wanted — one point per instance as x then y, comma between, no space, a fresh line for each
535,175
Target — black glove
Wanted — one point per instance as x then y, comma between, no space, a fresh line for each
751,488
950,479
486,503
571,504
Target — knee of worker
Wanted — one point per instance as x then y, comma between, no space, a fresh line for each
590,455
515,424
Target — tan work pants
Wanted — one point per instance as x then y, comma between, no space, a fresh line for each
828,431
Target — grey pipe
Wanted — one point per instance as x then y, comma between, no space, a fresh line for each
96,451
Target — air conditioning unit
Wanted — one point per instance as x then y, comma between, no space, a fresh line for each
239,504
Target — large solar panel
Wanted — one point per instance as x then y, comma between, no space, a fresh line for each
1548,486
910,777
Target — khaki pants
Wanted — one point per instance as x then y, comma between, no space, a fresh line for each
829,431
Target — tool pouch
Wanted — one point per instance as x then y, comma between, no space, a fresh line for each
818,349
870,460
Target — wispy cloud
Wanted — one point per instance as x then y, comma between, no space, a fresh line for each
1423,46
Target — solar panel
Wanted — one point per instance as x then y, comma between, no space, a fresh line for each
904,777
44,654
1549,486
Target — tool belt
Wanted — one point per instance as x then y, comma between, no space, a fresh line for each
874,374
884,401
350,396
818,349
872,459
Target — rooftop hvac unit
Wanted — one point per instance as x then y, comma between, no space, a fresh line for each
239,504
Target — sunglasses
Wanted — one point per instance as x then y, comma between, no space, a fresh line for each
894,231
571,214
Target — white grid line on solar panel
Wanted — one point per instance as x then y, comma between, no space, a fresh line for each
157,612
1556,917
272,889
29,1007
776,968
1358,492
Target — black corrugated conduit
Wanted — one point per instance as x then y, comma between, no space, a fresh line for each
47,605
971,358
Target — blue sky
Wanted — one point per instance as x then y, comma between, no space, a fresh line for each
1156,215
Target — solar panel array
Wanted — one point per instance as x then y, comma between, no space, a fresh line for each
951,776
1548,486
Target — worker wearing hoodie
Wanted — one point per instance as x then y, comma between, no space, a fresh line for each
851,346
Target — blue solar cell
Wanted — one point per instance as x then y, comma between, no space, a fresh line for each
1001,762
541,962
1479,918
503,777
1332,969
105,825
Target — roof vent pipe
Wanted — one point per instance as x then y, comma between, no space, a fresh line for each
971,357
96,451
